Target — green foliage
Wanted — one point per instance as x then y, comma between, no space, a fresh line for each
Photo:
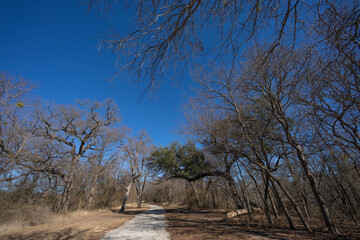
181,161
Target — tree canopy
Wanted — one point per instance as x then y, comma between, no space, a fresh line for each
180,161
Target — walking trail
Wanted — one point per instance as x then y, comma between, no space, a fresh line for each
147,226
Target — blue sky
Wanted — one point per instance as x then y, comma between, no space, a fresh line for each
54,44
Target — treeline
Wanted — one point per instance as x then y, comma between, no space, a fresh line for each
64,157
280,132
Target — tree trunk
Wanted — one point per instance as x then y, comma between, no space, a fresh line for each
214,195
65,197
315,189
274,207
92,191
266,208
122,209
234,192
297,186
286,212
346,199
193,188
138,192
279,113
49,189
266,202
303,220
80,204
243,191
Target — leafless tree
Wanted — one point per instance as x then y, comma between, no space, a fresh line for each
105,155
14,131
249,130
77,129
178,34
277,82
136,150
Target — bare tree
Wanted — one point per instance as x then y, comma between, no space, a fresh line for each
14,130
173,35
184,32
136,150
105,155
77,129
277,82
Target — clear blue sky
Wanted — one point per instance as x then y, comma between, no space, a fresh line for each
53,43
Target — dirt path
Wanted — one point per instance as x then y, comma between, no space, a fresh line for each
147,225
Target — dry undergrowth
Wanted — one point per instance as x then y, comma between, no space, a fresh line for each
74,225
210,224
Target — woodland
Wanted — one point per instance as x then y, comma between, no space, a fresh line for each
272,124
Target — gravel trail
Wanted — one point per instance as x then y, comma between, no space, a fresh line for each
147,226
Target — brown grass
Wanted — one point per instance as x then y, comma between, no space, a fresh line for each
209,224
75,225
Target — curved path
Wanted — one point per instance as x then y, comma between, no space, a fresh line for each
148,225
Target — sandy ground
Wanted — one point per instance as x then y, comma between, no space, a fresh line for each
76,225
149,225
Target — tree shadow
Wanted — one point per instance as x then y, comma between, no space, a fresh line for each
135,212
195,211
208,224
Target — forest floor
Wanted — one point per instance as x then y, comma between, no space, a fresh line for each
210,224
75,225
181,223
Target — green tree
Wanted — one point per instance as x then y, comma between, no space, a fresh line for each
180,161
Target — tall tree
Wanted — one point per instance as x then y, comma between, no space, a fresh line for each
135,151
104,156
14,130
76,128
280,85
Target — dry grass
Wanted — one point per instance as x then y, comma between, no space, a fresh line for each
12,220
74,225
209,224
